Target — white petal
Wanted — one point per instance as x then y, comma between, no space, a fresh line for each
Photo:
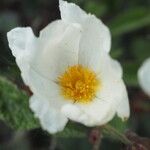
59,50
22,42
93,114
109,68
50,118
46,88
42,85
52,31
123,110
94,41
144,76
71,12
113,89
116,67
96,36
115,93
18,39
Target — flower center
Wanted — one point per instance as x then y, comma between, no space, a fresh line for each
79,84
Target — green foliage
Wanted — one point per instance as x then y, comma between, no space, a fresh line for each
118,124
14,107
73,130
130,20
96,8
130,73
74,144
8,21
141,48
115,130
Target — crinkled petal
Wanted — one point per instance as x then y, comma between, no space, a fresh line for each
144,76
94,41
71,12
18,39
58,51
50,118
52,31
92,45
95,37
96,113
22,42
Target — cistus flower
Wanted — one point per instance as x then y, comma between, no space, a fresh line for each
69,70
144,76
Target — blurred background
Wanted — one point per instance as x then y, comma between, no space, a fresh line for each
129,22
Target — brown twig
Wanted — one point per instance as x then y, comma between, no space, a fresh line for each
96,145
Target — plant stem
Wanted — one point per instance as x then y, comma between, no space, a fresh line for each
97,143
112,131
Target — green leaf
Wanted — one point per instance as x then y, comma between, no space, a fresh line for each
118,124
14,107
130,20
73,130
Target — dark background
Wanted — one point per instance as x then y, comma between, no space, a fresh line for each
129,23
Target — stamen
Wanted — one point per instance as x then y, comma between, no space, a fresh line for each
79,84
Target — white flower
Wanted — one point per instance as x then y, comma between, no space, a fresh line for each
144,76
69,70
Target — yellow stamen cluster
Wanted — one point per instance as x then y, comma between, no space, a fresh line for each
78,84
